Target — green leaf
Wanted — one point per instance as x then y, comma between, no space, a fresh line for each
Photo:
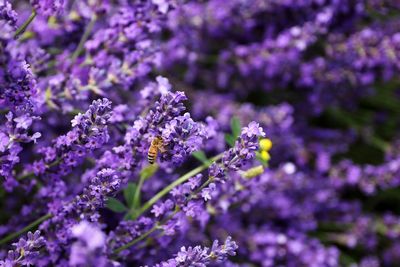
201,156
129,194
230,139
131,215
236,127
148,171
116,205
346,259
378,142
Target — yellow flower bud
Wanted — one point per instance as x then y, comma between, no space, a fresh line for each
211,209
253,172
27,35
265,155
73,15
52,22
265,144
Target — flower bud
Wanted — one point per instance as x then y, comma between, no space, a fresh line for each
265,144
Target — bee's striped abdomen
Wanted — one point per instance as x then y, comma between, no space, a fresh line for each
151,156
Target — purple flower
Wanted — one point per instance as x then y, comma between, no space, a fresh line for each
48,7
163,85
4,141
162,208
244,149
89,247
25,251
206,193
23,122
163,5
7,13
198,256
89,132
253,129
182,137
92,237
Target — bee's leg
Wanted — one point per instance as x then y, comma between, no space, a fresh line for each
162,149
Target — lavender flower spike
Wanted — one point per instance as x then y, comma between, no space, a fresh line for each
25,252
244,149
89,247
202,256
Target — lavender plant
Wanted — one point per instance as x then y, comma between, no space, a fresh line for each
277,127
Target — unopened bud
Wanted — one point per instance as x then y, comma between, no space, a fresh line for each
253,172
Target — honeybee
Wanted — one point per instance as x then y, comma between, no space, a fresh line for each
157,144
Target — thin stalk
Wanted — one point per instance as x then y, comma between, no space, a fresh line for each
154,228
206,183
25,229
26,175
29,174
174,184
84,38
146,234
136,240
25,24
145,174
136,199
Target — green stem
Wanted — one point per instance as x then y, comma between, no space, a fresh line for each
26,24
29,174
25,229
206,183
149,232
136,199
174,184
84,38
136,240
146,234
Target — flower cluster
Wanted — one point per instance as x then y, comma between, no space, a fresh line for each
202,257
48,7
25,252
89,132
89,247
17,97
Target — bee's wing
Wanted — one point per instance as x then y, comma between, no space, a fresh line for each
162,149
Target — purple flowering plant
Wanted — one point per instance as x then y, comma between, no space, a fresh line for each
200,133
